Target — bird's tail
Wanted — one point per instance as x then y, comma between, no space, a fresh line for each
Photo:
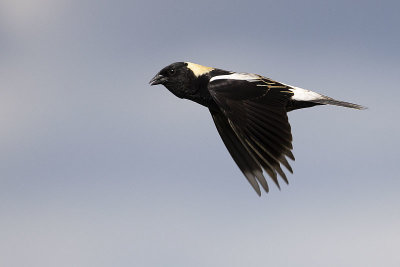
330,101
300,94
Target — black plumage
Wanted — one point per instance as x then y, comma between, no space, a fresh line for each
249,112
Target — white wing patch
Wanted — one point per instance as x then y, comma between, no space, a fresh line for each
237,76
301,94
197,69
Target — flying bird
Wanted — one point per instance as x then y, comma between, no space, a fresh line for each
249,112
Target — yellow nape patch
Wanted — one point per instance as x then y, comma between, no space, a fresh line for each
197,69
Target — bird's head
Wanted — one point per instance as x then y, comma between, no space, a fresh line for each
173,76
180,78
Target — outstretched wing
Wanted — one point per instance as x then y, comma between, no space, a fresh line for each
253,124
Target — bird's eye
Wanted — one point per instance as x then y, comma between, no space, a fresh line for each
171,72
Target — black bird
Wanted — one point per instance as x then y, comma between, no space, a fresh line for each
249,111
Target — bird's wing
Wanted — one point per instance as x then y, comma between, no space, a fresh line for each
253,124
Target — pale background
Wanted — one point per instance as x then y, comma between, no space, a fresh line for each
97,168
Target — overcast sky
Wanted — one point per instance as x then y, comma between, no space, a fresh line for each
97,168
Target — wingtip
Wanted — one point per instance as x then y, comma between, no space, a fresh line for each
258,191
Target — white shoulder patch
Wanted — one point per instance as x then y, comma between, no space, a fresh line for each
197,69
237,76
301,94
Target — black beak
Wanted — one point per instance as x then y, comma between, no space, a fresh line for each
158,79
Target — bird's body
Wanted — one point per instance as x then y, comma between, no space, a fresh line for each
249,111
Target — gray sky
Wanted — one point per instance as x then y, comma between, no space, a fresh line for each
97,168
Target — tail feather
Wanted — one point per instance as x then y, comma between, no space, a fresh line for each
330,101
300,94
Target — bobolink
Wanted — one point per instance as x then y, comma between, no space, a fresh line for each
249,111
